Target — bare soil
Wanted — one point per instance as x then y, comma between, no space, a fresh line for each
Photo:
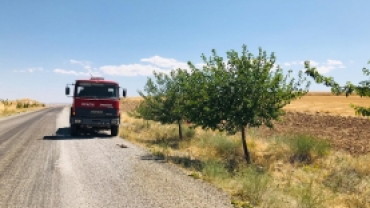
345,133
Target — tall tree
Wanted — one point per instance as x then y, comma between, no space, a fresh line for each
163,100
246,91
362,89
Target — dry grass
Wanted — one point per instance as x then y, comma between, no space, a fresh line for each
130,103
334,179
330,105
10,107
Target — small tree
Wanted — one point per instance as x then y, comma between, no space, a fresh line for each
143,111
244,92
164,100
363,89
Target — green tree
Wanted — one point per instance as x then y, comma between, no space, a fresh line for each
163,100
362,89
144,111
244,92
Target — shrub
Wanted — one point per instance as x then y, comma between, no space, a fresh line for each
189,132
322,147
254,184
224,146
310,197
304,146
214,170
139,126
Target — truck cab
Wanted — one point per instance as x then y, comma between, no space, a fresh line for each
96,105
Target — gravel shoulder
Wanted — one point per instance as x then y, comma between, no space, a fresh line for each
42,166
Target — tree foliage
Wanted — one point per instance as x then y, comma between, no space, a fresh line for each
163,101
245,91
362,89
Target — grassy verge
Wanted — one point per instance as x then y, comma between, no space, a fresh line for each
11,107
18,110
288,171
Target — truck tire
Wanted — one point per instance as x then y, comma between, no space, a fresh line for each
73,130
114,130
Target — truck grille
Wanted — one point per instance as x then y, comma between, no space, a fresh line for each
83,112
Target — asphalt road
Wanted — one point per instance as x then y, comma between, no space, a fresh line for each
42,166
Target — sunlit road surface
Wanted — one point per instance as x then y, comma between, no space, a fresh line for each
42,166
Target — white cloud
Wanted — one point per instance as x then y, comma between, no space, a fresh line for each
131,70
154,63
293,63
145,68
312,63
327,66
35,69
84,64
30,70
334,62
75,73
168,63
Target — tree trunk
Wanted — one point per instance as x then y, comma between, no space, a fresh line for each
180,129
245,148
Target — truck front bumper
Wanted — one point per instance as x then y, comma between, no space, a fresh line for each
95,122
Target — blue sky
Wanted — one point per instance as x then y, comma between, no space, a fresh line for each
46,44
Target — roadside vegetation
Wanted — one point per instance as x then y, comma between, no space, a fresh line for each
207,122
287,171
10,107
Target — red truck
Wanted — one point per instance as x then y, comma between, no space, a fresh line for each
96,105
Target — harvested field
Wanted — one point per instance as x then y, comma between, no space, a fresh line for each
319,114
313,102
130,104
331,105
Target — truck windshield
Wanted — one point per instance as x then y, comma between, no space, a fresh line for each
93,90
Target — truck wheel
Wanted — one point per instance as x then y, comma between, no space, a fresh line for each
73,130
114,130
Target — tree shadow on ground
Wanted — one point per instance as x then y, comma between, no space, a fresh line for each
64,134
168,142
184,161
187,162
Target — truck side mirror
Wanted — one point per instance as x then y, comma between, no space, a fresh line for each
67,90
124,92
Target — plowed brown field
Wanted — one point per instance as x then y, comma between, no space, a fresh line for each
346,133
320,114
